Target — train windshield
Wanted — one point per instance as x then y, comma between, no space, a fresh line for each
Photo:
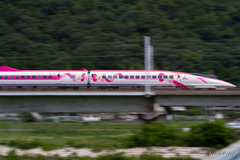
204,75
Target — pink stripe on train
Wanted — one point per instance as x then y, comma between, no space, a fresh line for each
202,79
180,85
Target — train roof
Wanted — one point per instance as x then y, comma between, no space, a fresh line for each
204,75
9,69
137,71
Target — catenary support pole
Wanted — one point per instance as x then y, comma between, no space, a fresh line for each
152,58
147,61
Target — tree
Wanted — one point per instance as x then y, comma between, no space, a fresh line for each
211,134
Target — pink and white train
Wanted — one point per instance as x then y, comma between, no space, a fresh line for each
10,77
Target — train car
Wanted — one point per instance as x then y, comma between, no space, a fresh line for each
11,77
156,78
130,78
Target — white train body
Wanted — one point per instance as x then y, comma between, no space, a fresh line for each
154,78
14,77
105,78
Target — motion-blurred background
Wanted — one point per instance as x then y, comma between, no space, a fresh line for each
188,35
195,36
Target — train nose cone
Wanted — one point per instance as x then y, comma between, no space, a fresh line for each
232,85
226,84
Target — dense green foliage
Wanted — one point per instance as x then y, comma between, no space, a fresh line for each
211,134
190,36
207,134
155,135
12,156
231,114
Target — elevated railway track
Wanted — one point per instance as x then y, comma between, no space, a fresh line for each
91,101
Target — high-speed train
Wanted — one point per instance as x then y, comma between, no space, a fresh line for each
11,77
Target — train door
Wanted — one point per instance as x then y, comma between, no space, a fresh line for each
58,81
178,78
88,76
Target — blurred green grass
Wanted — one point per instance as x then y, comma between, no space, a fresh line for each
94,135
50,135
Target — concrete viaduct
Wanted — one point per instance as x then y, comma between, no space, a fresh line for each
110,101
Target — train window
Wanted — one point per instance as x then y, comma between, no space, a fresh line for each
28,77
109,76
137,77
16,77
58,75
50,77
5,77
126,76
171,76
1,77
148,77
11,77
154,76
159,77
132,77
39,77
44,77
92,75
103,76
72,76
165,77
120,77
115,76
33,77
178,76
143,77
22,77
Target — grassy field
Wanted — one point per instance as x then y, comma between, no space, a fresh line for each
49,135
183,124
95,135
